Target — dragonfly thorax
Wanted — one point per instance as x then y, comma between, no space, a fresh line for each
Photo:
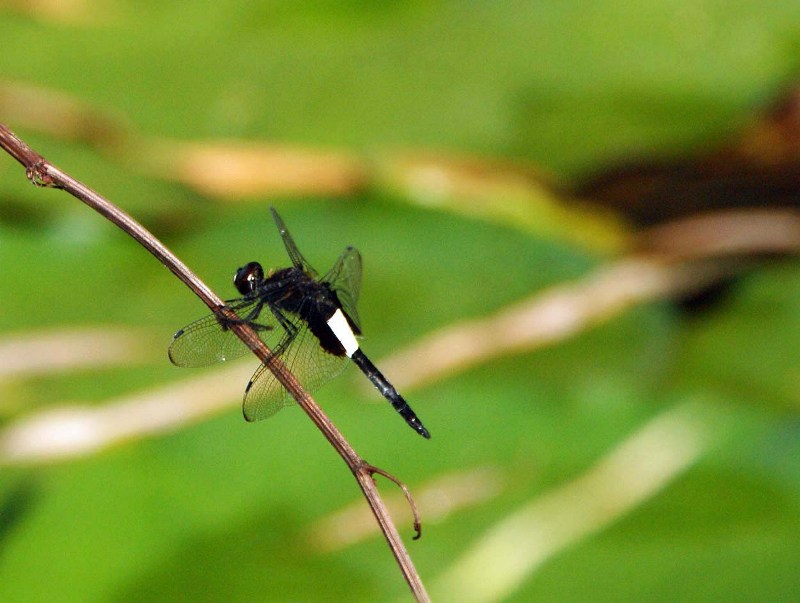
292,290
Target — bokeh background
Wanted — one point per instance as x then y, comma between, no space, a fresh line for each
616,441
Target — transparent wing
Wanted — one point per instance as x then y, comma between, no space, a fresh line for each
344,277
305,358
205,341
345,280
297,258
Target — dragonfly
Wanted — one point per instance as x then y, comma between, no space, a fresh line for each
310,322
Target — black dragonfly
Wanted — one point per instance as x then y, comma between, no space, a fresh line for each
311,323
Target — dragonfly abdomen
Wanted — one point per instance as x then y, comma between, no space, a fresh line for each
389,392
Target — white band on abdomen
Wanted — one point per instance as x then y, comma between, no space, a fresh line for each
340,327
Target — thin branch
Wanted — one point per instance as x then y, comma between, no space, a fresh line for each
639,467
674,259
42,173
227,169
730,233
406,493
547,317
63,432
438,499
46,352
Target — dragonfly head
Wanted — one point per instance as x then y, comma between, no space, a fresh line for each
248,278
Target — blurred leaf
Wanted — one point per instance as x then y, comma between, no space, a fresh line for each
757,167
219,510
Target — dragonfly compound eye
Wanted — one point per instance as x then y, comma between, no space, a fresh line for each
248,278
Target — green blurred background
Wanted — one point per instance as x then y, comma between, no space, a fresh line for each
221,510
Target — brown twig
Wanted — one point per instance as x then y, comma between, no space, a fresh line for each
52,351
746,233
549,316
497,562
440,498
68,431
406,493
42,173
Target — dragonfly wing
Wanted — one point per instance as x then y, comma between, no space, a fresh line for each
263,395
308,362
345,279
206,341
297,258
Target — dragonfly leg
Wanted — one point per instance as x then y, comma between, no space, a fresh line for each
288,326
249,320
